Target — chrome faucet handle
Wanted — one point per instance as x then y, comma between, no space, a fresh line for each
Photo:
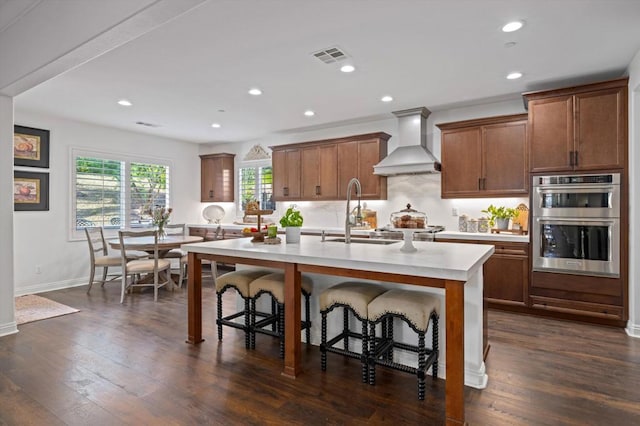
322,234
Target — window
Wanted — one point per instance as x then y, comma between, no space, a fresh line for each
256,183
116,192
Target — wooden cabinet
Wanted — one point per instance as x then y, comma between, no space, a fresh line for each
286,174
319,179
320,170
599,298
356,159
506,273
485,157
217,177
578,128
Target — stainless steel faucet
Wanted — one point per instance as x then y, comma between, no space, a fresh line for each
347,222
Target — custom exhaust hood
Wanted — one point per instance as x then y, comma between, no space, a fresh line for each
411,156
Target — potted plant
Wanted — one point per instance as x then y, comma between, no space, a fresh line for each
292,222
499,216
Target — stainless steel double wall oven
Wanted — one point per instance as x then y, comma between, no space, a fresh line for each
576,224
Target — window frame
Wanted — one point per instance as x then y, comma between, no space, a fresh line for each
249,164
75,152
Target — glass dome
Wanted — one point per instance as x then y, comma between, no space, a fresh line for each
409,218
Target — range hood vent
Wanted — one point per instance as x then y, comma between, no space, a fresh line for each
411,156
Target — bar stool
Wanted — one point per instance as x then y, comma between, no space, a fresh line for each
273,285
352,297
240,281
416,309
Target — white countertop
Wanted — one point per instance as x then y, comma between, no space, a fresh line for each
436,260
482,236
305,229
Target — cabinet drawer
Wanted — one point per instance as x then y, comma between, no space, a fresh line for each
595,310
198,232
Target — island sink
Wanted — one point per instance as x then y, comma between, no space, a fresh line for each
362,241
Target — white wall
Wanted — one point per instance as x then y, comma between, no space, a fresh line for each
7,322
422,191
633,326
42,238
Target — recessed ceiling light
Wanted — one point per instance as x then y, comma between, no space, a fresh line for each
513,26
347,68
514,75
309,113
124,102
255,91
386,98
216,125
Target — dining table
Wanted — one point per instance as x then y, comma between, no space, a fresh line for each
147,244
451,267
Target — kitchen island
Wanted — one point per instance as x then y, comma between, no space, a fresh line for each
447,266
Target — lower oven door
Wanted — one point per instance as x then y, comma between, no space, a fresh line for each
577,246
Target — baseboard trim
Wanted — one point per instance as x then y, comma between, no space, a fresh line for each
58,285
633,330
8,328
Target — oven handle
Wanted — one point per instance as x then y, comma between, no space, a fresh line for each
577,189
577,222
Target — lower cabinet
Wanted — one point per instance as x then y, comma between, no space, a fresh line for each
505,274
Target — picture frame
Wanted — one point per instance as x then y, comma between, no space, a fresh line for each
30,147
30,191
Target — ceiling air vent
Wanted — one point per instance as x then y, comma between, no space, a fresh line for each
142,123
330,55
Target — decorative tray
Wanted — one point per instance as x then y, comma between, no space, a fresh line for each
510,231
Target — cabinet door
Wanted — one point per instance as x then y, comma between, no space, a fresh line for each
207,177
286,174
551,134
506,279
504,155
319,172
370,153
601,128
347,166
217,178
461,165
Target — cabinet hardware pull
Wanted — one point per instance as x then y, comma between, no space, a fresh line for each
317,189
479,183
210,194
484,183
286,191
575,158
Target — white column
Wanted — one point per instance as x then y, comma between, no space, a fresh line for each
633,325
7,308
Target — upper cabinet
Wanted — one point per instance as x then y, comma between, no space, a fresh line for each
217,174
319,180
356,158
286,174
485,157
320,170
578,128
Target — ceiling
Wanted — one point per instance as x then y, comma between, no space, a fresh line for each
196,69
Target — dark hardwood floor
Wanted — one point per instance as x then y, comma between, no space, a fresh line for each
129,364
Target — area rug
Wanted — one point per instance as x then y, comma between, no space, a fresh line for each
31,308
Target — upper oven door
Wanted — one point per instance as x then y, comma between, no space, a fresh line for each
587,201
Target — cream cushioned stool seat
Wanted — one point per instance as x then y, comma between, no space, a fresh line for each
353,297
416,309
273,285
240,281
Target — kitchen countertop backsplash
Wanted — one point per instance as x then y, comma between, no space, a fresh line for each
421,191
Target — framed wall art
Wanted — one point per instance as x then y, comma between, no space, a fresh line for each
30,191
30,147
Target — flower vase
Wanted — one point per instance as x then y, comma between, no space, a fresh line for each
161,232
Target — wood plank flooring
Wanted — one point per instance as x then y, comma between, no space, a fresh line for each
129,364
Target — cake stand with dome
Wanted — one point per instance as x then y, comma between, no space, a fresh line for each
408,221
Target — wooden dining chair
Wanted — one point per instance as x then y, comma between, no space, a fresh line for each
99,256
174,229
152,267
